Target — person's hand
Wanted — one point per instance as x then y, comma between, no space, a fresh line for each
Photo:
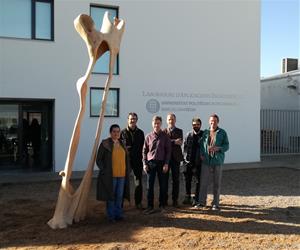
202,157
165,168
211,149
178,142
214,149
146,168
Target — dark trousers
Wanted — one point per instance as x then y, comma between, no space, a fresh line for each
174,168
138,191
156,168
192,170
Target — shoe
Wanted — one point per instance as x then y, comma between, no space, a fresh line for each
194,203
139,206
215,208
175,204
200,206
162,209
187,200
119,218
149,210
111,220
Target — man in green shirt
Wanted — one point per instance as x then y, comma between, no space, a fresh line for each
213,145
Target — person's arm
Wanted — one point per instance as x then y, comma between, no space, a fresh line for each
123,137
202,145
100,157
145,152
225,143
185,145
139,144
168,149
142,138
179,140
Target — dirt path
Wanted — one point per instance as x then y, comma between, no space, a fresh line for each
260,210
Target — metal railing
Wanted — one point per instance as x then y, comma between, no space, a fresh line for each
280,132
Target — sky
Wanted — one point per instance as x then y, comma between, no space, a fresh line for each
280,34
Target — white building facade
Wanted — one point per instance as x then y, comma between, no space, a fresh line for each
192,58
281,92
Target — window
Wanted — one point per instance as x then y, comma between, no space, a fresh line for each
29,19
112,104
97,13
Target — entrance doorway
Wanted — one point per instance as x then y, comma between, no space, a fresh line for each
26,135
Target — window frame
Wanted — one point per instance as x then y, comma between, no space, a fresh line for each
118,102
116,8
33,22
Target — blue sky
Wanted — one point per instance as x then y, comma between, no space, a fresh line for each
280,34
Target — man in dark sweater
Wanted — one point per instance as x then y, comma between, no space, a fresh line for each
133,139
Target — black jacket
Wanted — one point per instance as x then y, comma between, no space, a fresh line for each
190,156
134,141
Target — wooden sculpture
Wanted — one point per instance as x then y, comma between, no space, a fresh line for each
72,205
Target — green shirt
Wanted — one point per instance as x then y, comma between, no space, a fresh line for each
221,141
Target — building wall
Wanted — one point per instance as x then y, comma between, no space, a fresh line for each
276,95
191,57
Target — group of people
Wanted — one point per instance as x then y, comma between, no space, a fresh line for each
160,153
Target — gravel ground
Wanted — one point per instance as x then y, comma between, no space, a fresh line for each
260,210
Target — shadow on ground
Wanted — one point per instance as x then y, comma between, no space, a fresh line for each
25,209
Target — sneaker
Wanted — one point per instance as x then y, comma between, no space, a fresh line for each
187,200
194,202
215,208
149,210
200,206
119,218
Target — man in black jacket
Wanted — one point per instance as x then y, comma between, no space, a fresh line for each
133,138
191,150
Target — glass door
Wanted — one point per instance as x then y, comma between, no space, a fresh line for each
9,136
26,135
37,146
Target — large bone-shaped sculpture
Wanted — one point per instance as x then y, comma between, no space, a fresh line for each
72,205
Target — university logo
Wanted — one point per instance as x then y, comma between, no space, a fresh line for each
152,106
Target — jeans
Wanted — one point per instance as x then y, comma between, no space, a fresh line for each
114,208
206,172
174,167
157,168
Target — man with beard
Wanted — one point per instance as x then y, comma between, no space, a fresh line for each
192,161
